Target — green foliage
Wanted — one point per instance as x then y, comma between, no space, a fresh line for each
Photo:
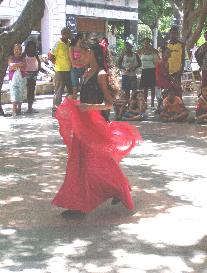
151,11
143,31
165,24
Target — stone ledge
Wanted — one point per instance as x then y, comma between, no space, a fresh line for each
41,89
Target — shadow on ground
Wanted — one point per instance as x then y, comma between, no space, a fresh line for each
166,233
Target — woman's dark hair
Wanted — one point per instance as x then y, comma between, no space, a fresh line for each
147,39
12,49
103,60
28,45
98,53
79,36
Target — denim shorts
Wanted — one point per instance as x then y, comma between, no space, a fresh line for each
76,74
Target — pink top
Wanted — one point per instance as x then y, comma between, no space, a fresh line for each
77,56
16,61
31,64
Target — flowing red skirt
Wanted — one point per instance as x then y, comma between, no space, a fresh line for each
95,148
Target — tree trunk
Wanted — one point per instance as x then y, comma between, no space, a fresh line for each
17,33
155,36
193,16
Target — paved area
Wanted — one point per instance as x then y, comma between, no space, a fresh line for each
166,233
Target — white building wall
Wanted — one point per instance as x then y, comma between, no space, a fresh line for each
53,21
59,17
8,10
55,15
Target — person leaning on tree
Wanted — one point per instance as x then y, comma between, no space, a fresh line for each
60,57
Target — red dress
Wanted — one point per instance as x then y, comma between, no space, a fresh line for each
95,148
161,80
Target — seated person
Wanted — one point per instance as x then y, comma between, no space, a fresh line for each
47,68
160,102
120,105
163,78
173,108
137,107
201,107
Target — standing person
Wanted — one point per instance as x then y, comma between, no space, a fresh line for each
32,68
17,82
163,78
149,57
78,67
128,63
177,55
201,58
60,57
94,145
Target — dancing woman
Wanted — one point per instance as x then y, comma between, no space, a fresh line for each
95,146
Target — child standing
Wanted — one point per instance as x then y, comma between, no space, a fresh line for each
201,107
17,82
33,65
173,108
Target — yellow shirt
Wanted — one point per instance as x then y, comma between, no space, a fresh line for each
62,59
175,60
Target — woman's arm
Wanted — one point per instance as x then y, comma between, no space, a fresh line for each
89,107
104,86
39,62
14,66
71,55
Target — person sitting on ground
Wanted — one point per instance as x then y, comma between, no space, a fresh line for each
120,105
201,107
47,66
160,102
173,108
163,79
137,107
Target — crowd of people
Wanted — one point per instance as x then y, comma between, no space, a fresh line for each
95,146
161,72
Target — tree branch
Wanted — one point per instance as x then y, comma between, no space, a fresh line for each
192,37
19,31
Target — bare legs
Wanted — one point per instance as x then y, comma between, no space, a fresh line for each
152,95
16,108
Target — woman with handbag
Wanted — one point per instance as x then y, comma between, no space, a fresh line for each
17,81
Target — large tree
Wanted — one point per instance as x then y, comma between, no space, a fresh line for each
151,12
18,32
189,14
192,16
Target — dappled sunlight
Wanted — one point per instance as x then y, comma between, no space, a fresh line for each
157,263
179,226
165,233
